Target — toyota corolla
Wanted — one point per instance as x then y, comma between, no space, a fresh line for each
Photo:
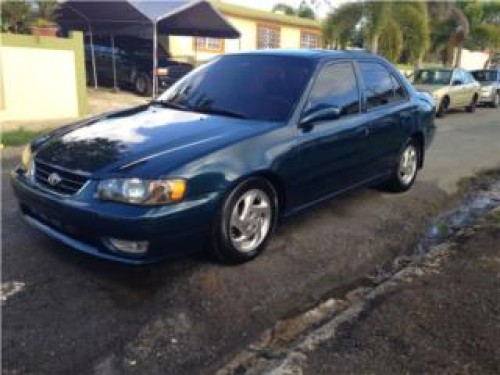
218,159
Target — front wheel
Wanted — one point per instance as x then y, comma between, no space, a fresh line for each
405,173
442,108
496,100
246,221
471,108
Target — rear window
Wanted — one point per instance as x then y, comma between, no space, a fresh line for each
485,75
381,86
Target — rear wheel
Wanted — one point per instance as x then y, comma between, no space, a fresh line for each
405,173
142,85
471,108
246,221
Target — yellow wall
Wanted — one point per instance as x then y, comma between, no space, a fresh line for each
183,46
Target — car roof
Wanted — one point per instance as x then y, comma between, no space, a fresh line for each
313,54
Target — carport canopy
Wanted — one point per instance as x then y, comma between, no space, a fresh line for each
145,19
137,18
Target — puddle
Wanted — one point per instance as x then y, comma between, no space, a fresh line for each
477,204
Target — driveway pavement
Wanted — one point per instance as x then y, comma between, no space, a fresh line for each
66,313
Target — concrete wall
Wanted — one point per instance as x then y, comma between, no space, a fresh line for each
473,59
41,78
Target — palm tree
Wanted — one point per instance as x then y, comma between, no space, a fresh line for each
457,30
388,27
303,11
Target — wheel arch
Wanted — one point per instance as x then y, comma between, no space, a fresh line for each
418,137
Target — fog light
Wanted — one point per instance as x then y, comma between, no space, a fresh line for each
131,247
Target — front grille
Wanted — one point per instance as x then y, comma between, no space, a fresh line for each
68,183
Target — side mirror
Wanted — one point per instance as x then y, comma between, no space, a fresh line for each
320,113
456,82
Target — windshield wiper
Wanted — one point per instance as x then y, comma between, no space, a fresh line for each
168,104
219,111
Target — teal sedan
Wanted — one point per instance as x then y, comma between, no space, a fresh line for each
220,157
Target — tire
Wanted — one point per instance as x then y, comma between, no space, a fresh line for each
403,177
245,222
471,108
142,85
496,100
443,107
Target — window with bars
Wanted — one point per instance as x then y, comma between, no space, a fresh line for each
209,44
268,36
309,40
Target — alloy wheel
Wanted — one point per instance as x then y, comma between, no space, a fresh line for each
408,165
250,220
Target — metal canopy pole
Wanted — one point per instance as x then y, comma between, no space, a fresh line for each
155,59
113,57
94,70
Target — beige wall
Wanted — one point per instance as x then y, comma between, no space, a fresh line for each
41,78
38,84
182,46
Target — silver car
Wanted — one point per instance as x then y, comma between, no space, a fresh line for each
490,86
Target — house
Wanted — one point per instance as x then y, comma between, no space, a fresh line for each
259,30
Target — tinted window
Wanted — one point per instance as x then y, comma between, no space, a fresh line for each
259,87
485,75
399,91
433,77
457,76
336,85
380,85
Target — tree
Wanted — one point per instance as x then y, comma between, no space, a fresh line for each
303,11
16,16
452,20
387,27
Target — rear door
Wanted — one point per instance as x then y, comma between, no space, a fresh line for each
390,115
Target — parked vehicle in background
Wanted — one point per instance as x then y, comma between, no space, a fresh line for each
490,86
224,153
134,64
450,88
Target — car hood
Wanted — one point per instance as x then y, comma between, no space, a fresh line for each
131,138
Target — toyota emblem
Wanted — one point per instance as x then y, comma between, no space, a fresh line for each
54,179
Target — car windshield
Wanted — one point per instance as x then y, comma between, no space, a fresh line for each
257,87
433,77
485,75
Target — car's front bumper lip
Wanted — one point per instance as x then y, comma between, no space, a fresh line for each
86,225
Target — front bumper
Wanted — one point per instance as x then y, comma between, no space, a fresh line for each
85,223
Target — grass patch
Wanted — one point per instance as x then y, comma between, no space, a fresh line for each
20,136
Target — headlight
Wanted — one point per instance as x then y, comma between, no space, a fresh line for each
27,163
162,71
26,157
142,192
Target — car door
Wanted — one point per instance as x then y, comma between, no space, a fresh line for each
332,152
471,87
390,115
458,89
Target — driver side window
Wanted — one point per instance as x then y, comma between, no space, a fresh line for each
336,85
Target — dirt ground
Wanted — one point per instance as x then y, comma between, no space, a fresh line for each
447,322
